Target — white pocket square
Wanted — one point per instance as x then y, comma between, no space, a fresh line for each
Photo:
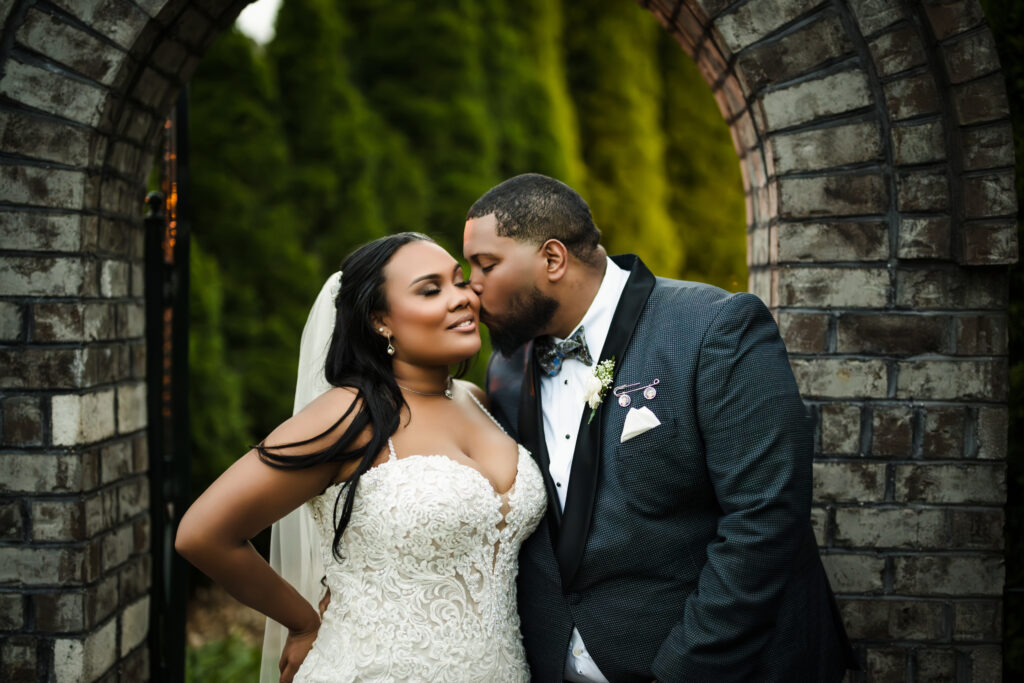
638,421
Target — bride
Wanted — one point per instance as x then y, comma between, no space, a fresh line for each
415,500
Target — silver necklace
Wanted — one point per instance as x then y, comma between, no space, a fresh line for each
447,393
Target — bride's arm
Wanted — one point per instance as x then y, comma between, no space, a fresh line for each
247,498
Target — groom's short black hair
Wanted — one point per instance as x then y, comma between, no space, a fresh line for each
535,208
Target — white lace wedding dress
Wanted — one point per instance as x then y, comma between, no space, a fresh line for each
426,588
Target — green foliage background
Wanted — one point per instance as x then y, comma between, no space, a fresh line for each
362,118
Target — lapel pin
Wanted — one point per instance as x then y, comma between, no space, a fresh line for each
624,390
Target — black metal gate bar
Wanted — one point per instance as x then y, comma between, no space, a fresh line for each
167,288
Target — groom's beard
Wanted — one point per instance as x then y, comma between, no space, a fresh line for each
528,314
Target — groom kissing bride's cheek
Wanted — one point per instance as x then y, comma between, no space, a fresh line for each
675,451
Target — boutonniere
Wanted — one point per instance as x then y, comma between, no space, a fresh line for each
597,384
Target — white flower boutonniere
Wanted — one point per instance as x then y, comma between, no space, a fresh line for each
597,384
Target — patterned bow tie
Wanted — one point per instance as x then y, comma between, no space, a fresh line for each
550,353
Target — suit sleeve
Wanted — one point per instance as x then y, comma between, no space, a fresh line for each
758,449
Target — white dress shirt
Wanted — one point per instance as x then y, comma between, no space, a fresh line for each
562,403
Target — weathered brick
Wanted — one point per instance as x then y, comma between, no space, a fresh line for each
133,498
839,195
795,53
986,664
991,432
803,332
43,276
11,321
892,334
977,620
114,280
60,612
911,96
970,57
135,667
977,529
12,611
85,659
138,279
840,428
140,454
752,22
981,483
52,92
987,146
924,238
40,186
896,51
943,433
981,101
100,512
119,20
134,578
886,664
22,421
117,547
849,573
966,379
131,407
935,665
874,528
58,520
19,655
918,143
41,368
827,287
893,619
892,431
74,322
824,242
822,148
101,600
131,320
949,17
810,100
43,138
874,15
980,335
134,625
48,565
938,289
852,482
82,418
50,36
819,523
923,191
948,575
12,527
28,473
990,195
840,378
986,244
143,531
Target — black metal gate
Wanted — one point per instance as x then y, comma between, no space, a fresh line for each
167,287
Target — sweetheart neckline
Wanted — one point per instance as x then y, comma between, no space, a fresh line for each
483,477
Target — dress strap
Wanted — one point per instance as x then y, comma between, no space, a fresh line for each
391,450
486,412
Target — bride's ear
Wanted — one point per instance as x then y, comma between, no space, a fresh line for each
556,259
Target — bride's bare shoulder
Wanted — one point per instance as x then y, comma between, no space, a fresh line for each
319,423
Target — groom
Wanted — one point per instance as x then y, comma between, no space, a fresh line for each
677,544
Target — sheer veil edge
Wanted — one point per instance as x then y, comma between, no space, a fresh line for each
294,539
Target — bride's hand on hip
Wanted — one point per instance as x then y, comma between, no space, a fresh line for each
296,647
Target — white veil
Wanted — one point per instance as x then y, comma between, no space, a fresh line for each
294,539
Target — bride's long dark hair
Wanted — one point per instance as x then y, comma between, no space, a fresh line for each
356,358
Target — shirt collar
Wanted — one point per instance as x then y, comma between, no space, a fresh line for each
598,319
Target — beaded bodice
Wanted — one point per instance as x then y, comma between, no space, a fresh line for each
426,587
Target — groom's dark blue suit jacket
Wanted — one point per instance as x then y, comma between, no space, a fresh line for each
685,553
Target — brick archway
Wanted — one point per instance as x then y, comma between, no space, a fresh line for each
878,164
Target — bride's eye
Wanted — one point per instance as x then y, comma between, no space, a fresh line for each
431,292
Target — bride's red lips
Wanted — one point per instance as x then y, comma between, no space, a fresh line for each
468,317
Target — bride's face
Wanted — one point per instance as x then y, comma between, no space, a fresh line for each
433,316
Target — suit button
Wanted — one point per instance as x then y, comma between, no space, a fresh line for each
575,598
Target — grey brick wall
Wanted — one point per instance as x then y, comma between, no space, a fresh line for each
876,152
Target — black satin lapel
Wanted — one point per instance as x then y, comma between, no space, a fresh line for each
531,434
579,504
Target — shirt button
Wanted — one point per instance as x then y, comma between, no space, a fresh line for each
567,382
567,436
558,484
